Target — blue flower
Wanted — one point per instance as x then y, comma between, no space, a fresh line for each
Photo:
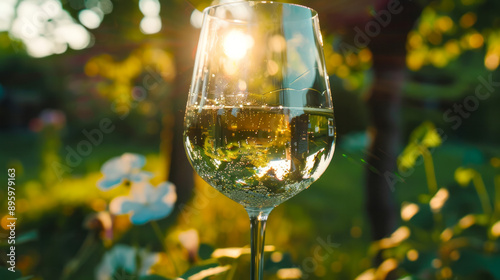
145,203
126,167
125,258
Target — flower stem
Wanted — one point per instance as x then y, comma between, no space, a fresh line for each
161,237
429,170
483,194
82,255
497,196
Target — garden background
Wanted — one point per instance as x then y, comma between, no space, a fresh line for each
413,190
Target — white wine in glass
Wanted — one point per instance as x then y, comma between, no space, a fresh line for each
259,123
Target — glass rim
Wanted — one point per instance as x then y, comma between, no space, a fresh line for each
314,13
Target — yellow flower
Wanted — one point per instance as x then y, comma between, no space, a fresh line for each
408,157
431,139
463,176
423,137
426,135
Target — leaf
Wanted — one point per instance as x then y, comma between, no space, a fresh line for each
6,274
408,277
26,237
204,271
197,269
205,251
491,264
23,238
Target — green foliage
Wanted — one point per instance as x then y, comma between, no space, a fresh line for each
9,275
153,277
205,251
451,232
63,212
27,236
207,270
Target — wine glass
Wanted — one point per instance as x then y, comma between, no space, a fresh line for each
259,123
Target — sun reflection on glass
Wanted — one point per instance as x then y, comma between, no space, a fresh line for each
236,44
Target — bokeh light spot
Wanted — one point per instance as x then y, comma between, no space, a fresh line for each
446,235
272,67
467,221
351,60
491,62
444,23
412,255
452,47
415,40
409,210
150,24
40,47
276,257
435,38
386,267
150,8
468,20
400,234
415,59
5,222
106,6
356,232
289,273
89,18
438,57
495,229
334,60
277,43
446,272
365,55
476,40
342,71
6,14
196,18
454,255
436,263
439,199
236,44
77,37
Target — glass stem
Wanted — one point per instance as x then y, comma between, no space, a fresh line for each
258,219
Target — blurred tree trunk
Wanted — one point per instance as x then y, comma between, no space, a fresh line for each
186,36
384,103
